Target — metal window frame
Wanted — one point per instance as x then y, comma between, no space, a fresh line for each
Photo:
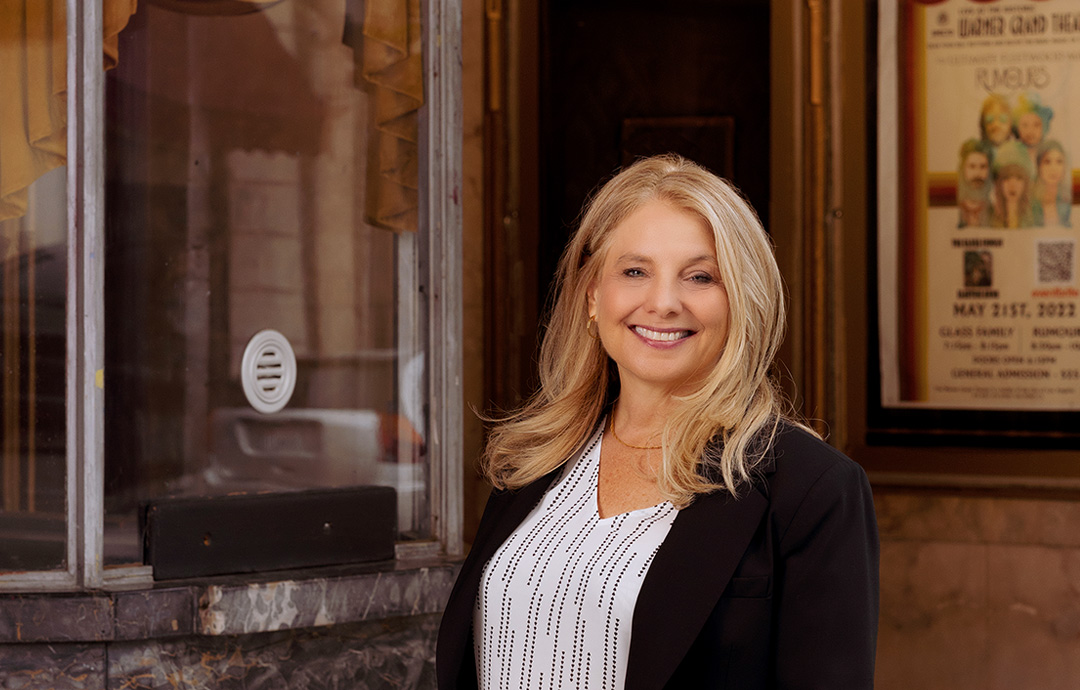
443,133
85,292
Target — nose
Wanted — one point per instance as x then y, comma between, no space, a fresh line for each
664,297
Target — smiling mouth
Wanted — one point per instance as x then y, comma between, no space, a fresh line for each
662,336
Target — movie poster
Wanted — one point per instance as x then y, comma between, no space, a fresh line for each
978,216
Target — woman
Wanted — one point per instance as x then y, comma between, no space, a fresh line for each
1052,193
1012,201
1013,173
656,520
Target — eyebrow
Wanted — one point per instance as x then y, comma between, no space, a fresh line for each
644,259
703,257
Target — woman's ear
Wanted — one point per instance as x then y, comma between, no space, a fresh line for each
590,300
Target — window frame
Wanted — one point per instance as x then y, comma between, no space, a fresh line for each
440,239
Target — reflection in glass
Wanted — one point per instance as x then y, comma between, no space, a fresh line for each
33,264
248,187
33,351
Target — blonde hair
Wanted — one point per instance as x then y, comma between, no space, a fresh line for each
737,404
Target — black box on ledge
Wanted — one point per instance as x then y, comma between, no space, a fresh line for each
255,532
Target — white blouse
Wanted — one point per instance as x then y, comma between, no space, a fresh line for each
557,598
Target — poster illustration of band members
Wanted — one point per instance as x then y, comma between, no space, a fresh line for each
1014,174
979,281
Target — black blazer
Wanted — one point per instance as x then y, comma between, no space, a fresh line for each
778,589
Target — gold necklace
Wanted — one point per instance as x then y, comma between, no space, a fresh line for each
611,425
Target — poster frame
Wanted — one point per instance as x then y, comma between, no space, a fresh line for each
932,427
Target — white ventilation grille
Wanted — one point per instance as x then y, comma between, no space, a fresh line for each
268,371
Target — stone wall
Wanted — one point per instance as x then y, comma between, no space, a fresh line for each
349,627
978,592
392,653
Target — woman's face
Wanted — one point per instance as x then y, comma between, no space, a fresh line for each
1052,167
1030,129
1012,186
996,123
659,302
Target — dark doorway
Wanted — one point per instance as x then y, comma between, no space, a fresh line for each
628,78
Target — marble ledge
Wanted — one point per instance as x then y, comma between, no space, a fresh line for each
290,604
230,606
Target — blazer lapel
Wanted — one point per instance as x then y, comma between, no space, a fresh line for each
684,582
512,509
502,516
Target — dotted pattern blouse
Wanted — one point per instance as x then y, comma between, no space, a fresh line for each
557,599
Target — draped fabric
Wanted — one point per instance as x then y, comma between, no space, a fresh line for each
116,14
33,81
33,110
214,7
387,47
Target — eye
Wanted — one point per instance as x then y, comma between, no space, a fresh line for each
633,273
702,279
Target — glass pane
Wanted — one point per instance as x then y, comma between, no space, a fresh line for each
33,351
261,174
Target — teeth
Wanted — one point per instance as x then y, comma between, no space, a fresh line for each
663,336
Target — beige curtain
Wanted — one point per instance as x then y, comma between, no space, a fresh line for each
33,81
391,61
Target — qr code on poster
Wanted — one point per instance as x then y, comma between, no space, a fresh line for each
1055,261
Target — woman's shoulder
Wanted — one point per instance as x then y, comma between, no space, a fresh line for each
800,463
794,438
